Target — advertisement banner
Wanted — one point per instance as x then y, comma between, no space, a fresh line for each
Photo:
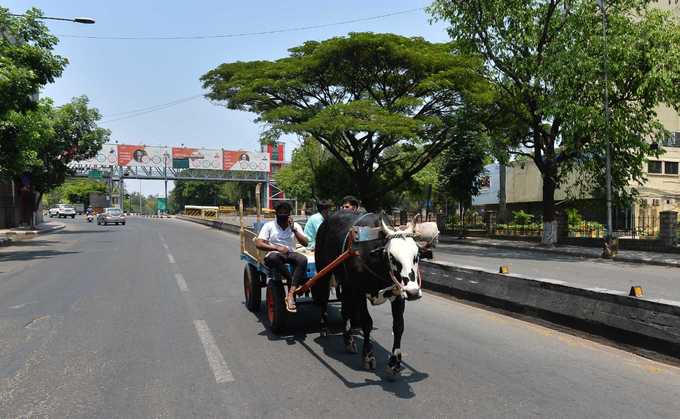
142,156
248,161
107,156
196,158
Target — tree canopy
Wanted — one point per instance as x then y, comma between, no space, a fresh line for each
365,97
546,59
27,63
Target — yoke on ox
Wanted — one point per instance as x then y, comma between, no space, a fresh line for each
380,264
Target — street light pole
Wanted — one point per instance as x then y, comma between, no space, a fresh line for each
603,7
83,20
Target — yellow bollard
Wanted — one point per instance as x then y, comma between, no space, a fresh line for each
504,269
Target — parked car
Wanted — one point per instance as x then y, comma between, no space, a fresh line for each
111,216
65,210
53,212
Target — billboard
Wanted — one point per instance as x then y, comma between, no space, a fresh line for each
246,161
196,158
107,156
142,156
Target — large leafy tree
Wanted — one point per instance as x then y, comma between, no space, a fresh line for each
75,191
313,174
546,59
27,63
360,96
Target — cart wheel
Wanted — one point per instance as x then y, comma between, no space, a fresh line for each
276,307
251,288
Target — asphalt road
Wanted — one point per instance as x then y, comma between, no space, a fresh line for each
659,282
147,320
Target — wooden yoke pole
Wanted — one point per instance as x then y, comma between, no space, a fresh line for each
258,187
240,221
331,266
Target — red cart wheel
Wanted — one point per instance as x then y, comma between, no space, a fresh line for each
276,307
251,288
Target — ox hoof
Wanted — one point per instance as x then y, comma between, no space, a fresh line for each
369,362
392,373
351,347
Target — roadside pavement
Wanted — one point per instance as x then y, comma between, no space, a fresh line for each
631,256
7,236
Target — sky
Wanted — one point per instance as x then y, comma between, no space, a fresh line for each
120,76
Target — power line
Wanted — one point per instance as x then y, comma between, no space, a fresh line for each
240,35
144,111
176,101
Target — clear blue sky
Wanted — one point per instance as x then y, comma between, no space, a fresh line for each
124,75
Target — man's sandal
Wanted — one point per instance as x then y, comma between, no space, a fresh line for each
290,304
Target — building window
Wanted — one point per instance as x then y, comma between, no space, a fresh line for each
654,166
670,167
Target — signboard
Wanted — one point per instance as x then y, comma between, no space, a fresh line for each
143,156
107,156
161,205
94,174
127,155
246,161
196,158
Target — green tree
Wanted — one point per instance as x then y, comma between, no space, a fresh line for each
546,60
54,137
313,173
75,191
462,166
359,96
27,63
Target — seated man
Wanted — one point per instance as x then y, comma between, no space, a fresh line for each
350,203
278,238
312,226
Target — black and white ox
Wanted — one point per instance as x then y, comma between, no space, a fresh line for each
385,269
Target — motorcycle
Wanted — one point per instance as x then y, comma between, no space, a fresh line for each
90,217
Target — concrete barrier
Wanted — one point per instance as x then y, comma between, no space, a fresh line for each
647,323
640,322
220,225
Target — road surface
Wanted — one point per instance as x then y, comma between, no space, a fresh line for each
147,320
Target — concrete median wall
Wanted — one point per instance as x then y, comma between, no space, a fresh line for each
220,225
654,323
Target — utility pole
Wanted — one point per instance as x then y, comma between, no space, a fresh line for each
603,7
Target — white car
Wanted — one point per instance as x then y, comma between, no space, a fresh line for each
53,212
65,210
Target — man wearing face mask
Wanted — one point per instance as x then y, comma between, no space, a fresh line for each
278,239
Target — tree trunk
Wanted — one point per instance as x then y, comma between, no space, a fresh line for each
502,197
549,223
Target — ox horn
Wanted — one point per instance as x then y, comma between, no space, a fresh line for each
411,227
386,228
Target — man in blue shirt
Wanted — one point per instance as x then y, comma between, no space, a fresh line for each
312,226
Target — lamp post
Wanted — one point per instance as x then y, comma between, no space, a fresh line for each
83,20
603,8
165,176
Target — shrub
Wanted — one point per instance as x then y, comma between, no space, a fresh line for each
521,217
573,217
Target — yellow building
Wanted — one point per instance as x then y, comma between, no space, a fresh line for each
661,192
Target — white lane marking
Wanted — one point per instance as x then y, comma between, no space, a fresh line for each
212,352
165,246
171,258
181,283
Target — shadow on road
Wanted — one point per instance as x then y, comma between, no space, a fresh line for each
306,321
32,255
30,243
82,231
